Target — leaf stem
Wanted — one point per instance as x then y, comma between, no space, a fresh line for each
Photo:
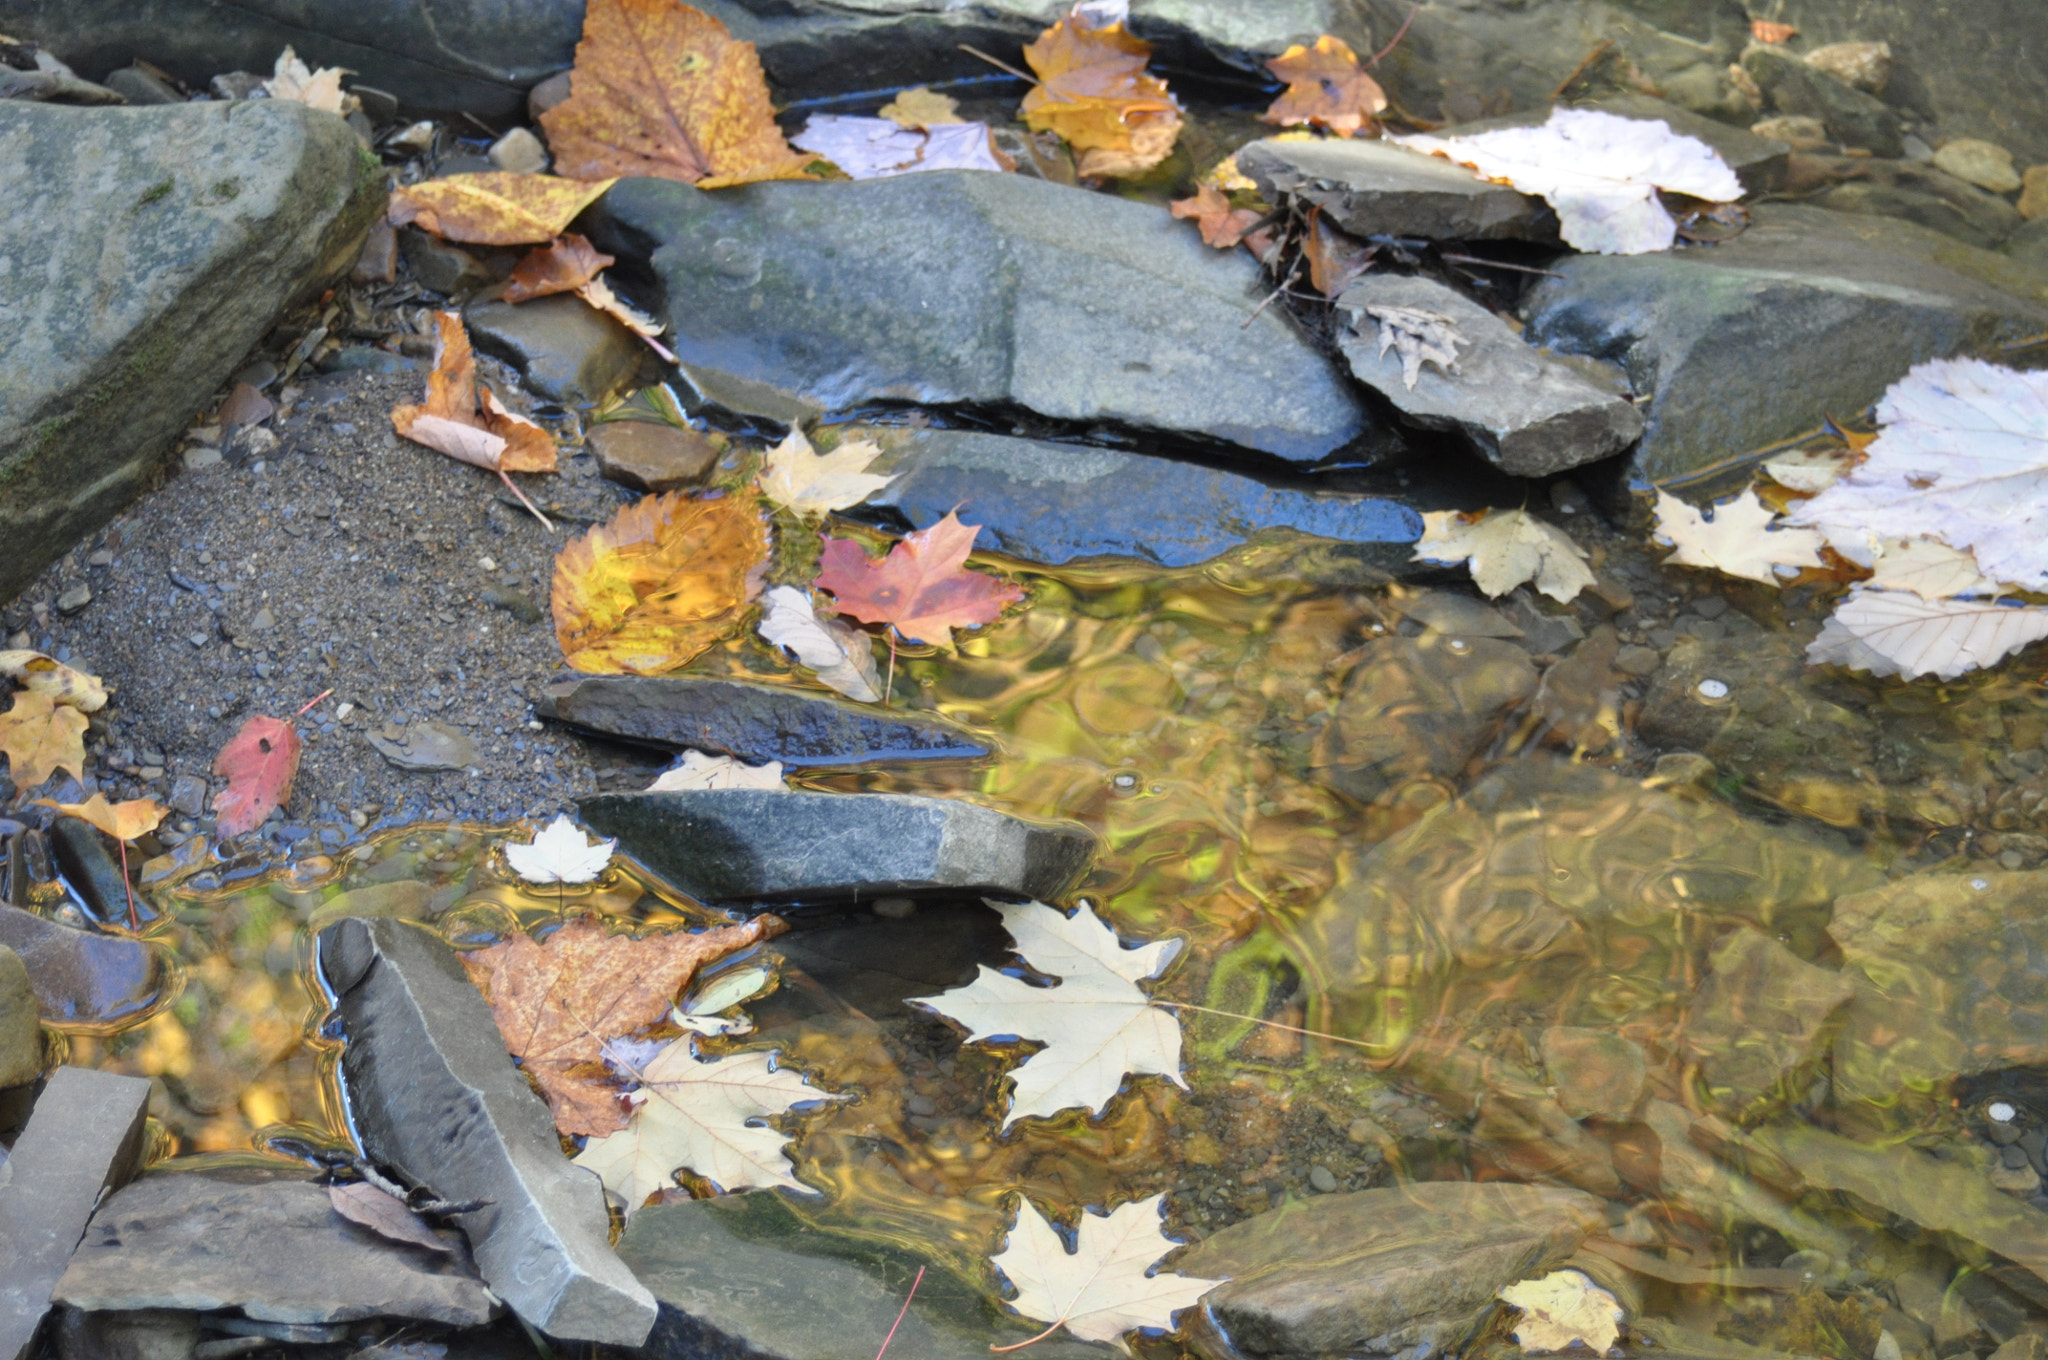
901,1314
1269,1024
511,487
310,702
889,685
1395,41
1022,1344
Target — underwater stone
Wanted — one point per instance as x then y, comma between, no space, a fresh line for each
21,1029
82,976
1759,1018
1418,707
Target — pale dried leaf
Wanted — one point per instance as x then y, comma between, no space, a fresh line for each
697,770
599,294
1563,1308
385,1215
1738,540
559,854
1892,632
1419,337
465,443
842,655
877,148
293,80
1929,568
798,477
1103,1288
1506,548
47,675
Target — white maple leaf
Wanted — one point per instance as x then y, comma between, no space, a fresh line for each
1895,632
1738,540
1562,1308
293,80
1929,568
877,148
1096,1025
697,770
559,854
811,483
1103,1288
1506,548
1599,170
704,1116
1962,455
1810,470
1418,336
841,654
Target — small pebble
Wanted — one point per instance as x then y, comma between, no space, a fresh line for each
102,558
2002,1111
1637,661
920,1105
1322,1179
74,599
1710,606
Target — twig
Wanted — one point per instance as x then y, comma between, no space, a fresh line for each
900,1314
507,480
889,685
1269,1024
1022,1344
310,702
1272,297
1005,66
1395,41
134,921
1497,264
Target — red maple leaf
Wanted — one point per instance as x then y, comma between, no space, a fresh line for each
258,763
923,587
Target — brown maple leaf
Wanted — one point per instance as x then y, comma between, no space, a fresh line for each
467,422
1325,88
562,266
40,736
558,1002
1095,94
1335,260
1222,226
661,89
922,588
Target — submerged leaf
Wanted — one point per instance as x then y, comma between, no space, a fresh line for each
841,654
1506,548
923,587
1325,88
1106,1286
1097,97
1892,632
1562,1309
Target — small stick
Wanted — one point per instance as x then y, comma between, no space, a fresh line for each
1005,66
1269,1024
1022,1344
900,1314
310,702
1395,41
889,685
1501,264
134,921
523,501
1585,63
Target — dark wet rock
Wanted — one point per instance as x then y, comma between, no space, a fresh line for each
707,1260
1580,700
436,1098
213,217
1807,313
1851,116
651,457
753,723
138,86
84,1139
567,350
1455,613
426,746
93,871
1915,193
1417,707
441,266
975,289
1381,1271
1527,411
80,976
2028,246
268,1242
760,846
1371,187
1053,503
1759,1021
155,1334
1759,162
21,1031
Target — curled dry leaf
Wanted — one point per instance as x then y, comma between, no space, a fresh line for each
46,675
923,587
259,763
876,148
1222,226
1419,337
122,821
561,266
1562,1309
40,736
496,208
797,477
293,80
1738,540
842,656
1335,258
1895,632
467,422
664,579
1095,94
1106,1286
384,1214
558,853
1326,88
920,107
697,770
1506,548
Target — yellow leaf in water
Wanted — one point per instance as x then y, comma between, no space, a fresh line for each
1506,548
1738,540
1562,1308
1097,96
122,821
921,108
800,478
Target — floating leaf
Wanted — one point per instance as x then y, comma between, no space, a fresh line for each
922,587
1506,548
1096,96
496,208
920,107
46,675
259,763
796,476
1562,1309
561,266
1737,540
1104,1287
559,854
841,654
122,821
1929,568
1325,88
1891,632
699,771
876,148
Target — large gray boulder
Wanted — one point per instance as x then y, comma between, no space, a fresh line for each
143,251
967,288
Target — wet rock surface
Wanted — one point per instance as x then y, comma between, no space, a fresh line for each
1760,1020
21,1031
83,976
1384,733
1370,187
566,350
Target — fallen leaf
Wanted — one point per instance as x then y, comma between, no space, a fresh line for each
1419,337
1105,1286
923,587
1325,88
664,579
465,420
559,854
703,1115
1893,632
1562,1309
875,148
1929,568
46,675
1811,470
1222,226
298,83
1766,31
798,477
259,763
557,1003
561,266
699,771
122,821
495,208
920,107
1506,548
599,294
1096,1025
244,406
1335,259
384,1214
1738,540
839,653
1094,94
661,89
1600,171
39,737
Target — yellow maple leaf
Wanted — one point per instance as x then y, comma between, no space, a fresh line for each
666,578
39,737
921,108
1506,548
47,675
661,89
496,208
1096,95
122,821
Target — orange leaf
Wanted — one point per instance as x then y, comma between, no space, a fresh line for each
1222,225
122,821
922,587
40,736
258,762
557,1003
1096,95
496,208
1325,88
661,89
664,580
1764,31
561,267
1334,259
467,422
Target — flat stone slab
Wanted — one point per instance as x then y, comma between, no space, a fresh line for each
975,289
754,723
1056,503
758,846
81,976
84,1139
436,1098
1373,188
1527,411
213,217
267,1242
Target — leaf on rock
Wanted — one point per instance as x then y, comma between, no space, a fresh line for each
840,654
41,674
1325,88
495,208
1335,258
559,854
465,420
1894,632
1738,540
561,266
1561,1309
122,821
876,148
920,107
1222,226
1419,337
699,771
923,587
558,1002
661,89
1105,1286
293,80
703,1115
1096,1025
384,1214
39,737
664,579
798,477
1506,548
1600,171
1095,94
259,763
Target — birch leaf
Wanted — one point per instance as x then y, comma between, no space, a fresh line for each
697,770
841,655
800,478
1738,539
1892,632
1104,1287
1563,1308
1506,548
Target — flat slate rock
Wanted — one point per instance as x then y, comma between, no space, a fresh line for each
212,217
268,1242
753,723
1371,187
757,846
82,976
975,289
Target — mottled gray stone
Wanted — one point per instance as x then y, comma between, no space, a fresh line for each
755,846
21,1026
1918,193
978,289
1851,117
436,1098
1527,411
1370,187
84,1138
81,976
566,349
267,1241
206,221
153,1335
1418,708
754,723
